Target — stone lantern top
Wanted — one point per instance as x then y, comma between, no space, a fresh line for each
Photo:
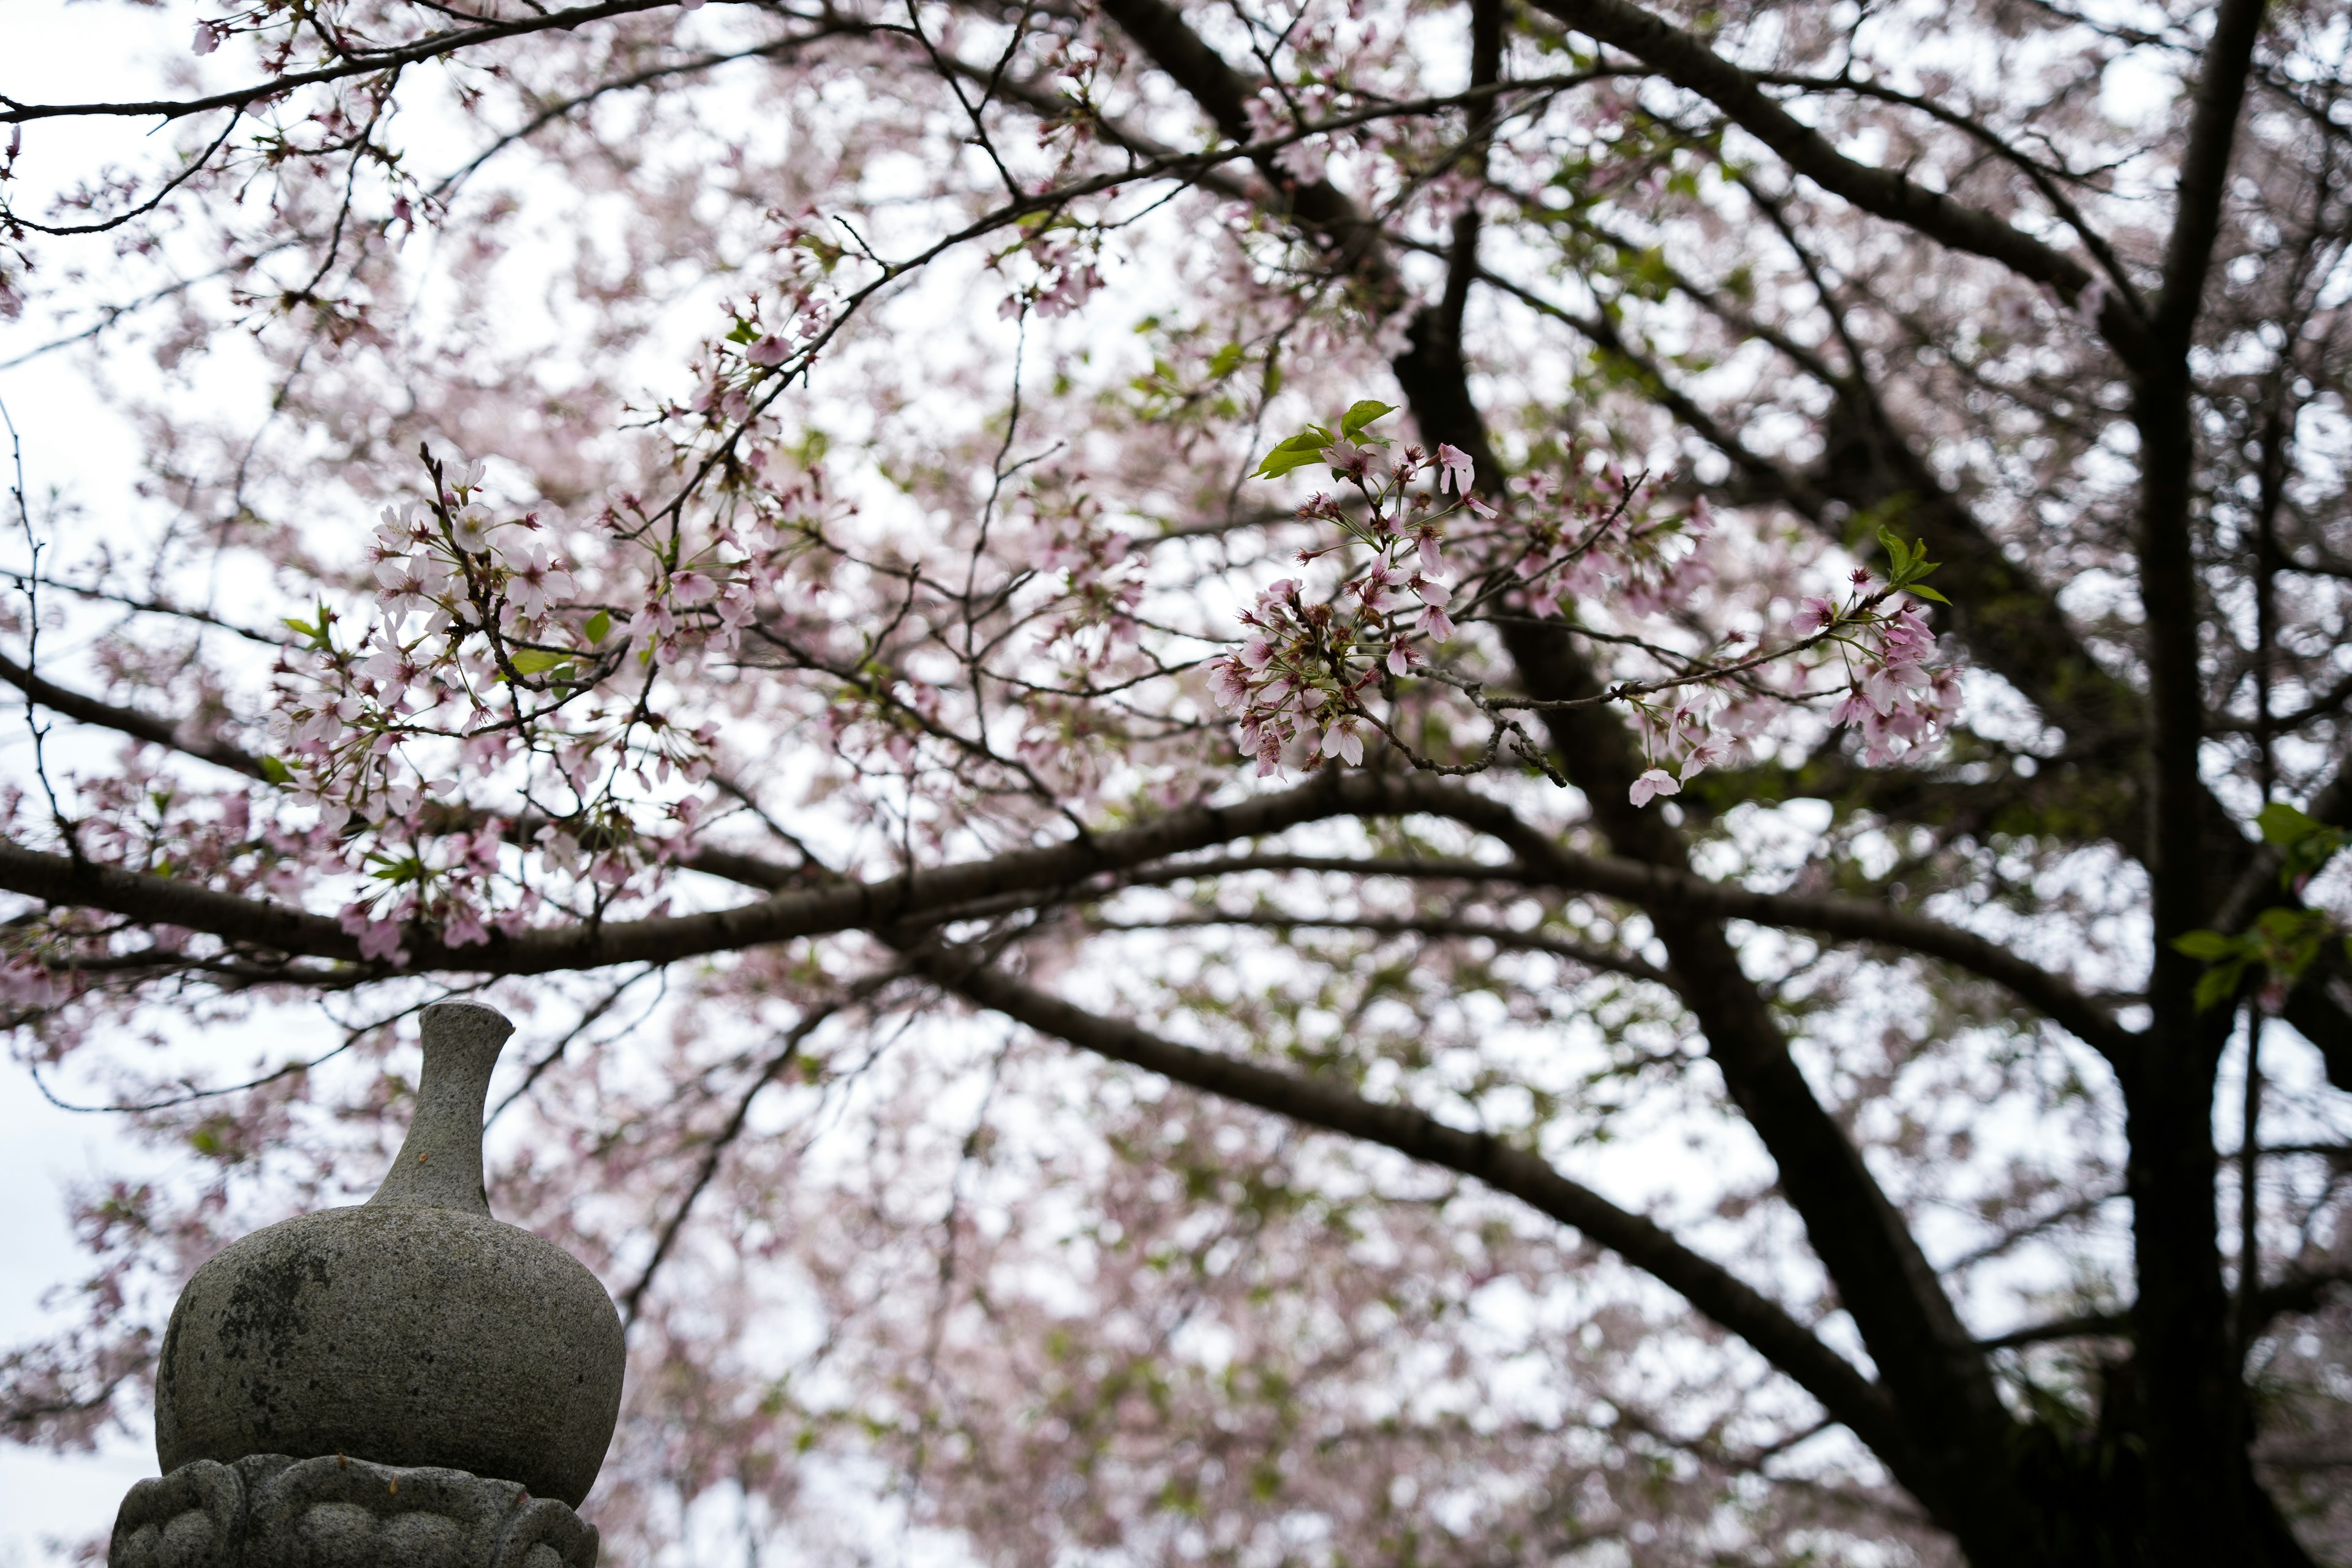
413,1345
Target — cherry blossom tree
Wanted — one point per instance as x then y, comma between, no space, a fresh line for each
1462,783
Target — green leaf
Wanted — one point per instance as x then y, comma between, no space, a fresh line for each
1358,415
1301,449
2284,825
276,771
317,633
2218,984
1225,360
398,870
1917,591
2304,844
599,626
2282,926
1898,554
533,661
2208,945
1909,562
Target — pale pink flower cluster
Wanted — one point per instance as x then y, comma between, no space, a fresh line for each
434,559
1607,541
1296,683
1102,582
28,984
1306,160
1900,698
446,886
479,657
1065,275
714,597
1300,682
1699,728
768,345
1898,694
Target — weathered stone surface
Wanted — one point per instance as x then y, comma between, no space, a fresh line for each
412,1336
440,1163
268,1510
415,1330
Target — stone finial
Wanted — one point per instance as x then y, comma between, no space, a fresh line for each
413,1336
440,1164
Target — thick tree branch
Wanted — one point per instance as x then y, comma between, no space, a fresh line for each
2296,1291
1685,61
2299,1291
1943,1387
255,923
1665,891
1352,243
2087,1326
2197,1460
1380,925
1724,1297
2205,171
129,721
1541,863
2008,618
1940,1382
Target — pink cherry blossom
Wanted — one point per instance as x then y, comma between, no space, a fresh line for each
1454,470
378,938
1306,160
1653,782
536,578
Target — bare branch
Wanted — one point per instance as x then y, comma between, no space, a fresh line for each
369,62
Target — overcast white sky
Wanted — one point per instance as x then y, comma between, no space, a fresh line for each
70,441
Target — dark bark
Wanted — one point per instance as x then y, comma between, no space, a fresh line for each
127,721
1026,878
1685,61
1943,1391
2196,1421
1947,1406
2011,623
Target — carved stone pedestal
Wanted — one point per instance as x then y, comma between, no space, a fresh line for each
269,1511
